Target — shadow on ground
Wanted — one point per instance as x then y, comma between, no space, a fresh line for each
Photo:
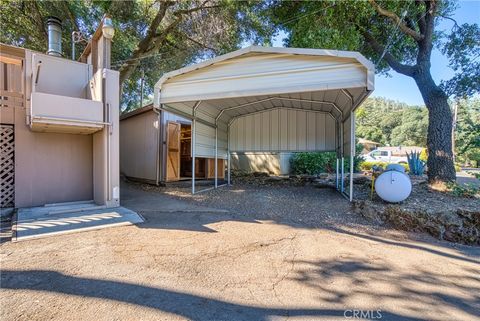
416,290
187,305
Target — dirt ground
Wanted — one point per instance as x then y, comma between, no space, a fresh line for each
240,253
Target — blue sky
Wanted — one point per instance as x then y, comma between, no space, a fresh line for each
403,88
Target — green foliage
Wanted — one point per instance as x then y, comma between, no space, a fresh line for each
465,190
462,47
313,163
392,123
477,175
416,165
467,132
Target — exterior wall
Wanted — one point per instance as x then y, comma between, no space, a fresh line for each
265,141
139,145
283,130
266,162
49,167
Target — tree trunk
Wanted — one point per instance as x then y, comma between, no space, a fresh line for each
439,137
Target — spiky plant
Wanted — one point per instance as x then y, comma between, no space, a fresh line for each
417,166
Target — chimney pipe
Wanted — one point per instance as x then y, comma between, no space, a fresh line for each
54,26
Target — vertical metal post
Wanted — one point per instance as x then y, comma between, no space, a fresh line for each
216,155
336,174
193,154
228,155
342,177
73,45
352,151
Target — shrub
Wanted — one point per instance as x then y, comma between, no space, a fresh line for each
313,163
424,155
458,168
477,175
465,190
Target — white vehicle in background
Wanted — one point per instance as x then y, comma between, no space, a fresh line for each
388,156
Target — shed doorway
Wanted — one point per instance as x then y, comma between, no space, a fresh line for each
179,155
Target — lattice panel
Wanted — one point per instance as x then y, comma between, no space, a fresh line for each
7,167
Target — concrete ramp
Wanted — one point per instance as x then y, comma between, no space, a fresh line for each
55,219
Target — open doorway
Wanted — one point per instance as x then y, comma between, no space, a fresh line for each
179,155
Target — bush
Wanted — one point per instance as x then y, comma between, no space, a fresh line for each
457,168
465,190
313,163
424,155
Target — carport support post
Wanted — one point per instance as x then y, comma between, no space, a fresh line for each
352,151
342,189
193,153
336,174
216,155
228,155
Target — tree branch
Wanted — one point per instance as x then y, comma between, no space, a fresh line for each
396,19
201,7
201,44
455,24
426,46
392,62
141,50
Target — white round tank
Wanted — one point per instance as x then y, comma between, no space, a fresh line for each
395,167
393,186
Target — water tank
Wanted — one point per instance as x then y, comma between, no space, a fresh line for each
395,167
393,186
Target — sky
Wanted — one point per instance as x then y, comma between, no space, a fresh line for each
403,88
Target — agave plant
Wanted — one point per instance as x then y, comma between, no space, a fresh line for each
417,166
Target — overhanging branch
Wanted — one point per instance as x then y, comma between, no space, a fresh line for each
396,19
392,62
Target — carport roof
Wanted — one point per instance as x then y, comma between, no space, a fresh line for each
256,79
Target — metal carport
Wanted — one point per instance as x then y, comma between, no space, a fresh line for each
215,93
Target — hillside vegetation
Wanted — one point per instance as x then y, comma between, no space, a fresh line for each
394,123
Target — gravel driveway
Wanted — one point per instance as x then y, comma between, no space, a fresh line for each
258,262
303,205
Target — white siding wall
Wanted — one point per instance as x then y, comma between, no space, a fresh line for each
205,137
283,130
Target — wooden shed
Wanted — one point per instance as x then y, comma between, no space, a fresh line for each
143,158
